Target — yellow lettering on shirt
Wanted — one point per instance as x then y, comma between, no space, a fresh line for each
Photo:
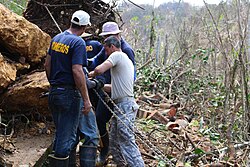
89,48
60,47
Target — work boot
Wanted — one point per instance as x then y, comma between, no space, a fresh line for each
58,162
101,159
87,156
72,158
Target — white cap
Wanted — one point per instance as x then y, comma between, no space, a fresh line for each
82,17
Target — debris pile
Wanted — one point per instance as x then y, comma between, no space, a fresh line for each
183,140
52,16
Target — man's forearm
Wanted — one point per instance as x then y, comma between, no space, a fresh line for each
47,65
101,69
80,81
83,89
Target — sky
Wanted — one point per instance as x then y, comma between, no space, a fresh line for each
158,2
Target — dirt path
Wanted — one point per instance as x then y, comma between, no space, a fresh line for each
26,149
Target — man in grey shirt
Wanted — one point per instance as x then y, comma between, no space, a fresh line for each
122,140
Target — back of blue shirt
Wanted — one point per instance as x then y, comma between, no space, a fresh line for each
66,49
93,47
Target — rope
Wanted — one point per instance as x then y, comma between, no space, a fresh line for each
142,137
53,18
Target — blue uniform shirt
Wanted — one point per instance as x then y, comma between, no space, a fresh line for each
93,47
66,49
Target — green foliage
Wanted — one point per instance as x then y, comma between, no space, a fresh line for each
187,164
221,18
195,85
134,19
149,124
16,6
194,123
202,54
218,100
199,151
212,134
161,164
153,75
205,79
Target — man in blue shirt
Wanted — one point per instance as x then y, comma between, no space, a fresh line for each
63,65
103,115
93,47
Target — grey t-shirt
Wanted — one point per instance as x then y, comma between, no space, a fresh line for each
122,75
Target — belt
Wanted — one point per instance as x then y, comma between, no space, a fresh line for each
122,99
64,86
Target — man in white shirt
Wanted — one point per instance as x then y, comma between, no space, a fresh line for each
122,140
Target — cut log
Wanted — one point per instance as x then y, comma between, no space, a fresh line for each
163,105
143,113
24,95
156,115
22,38
172,112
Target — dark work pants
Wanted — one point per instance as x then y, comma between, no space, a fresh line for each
103,116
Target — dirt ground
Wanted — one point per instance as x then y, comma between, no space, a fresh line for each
27,146
27,143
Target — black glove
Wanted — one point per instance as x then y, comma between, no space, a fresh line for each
90,83
99,84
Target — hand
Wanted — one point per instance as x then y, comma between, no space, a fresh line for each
91,74
107,88
99,84
87,107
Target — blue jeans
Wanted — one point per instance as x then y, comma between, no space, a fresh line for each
103,115
122,140
88,128
64,104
